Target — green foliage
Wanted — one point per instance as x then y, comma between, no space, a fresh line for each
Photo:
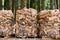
47,4
30,3
6,4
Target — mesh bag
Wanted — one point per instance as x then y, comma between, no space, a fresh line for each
26,23
6,22
50,23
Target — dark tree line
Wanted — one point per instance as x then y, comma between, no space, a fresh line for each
55,4
36,4
0,4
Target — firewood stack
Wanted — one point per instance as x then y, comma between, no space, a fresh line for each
26,23
6,22
50,23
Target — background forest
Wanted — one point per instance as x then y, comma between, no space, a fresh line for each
36,4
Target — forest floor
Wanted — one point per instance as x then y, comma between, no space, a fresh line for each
19,39
14,38
28,39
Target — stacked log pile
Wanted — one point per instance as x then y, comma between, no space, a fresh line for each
50,23
6,22
26,23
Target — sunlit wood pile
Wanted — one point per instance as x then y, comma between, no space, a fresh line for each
6,22
30,23
50,23
26,20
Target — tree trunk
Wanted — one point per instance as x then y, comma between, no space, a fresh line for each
14,8
32,3
29,3
42,4
51,4
38,6
19,4
10,4
58,4
54,4
6,4
23,3
0,4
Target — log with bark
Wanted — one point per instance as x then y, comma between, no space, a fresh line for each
50,23
26,23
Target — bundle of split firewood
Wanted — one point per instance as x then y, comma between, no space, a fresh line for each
6,22
26,23
50,23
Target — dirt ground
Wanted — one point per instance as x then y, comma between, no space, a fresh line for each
28,39
19,39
